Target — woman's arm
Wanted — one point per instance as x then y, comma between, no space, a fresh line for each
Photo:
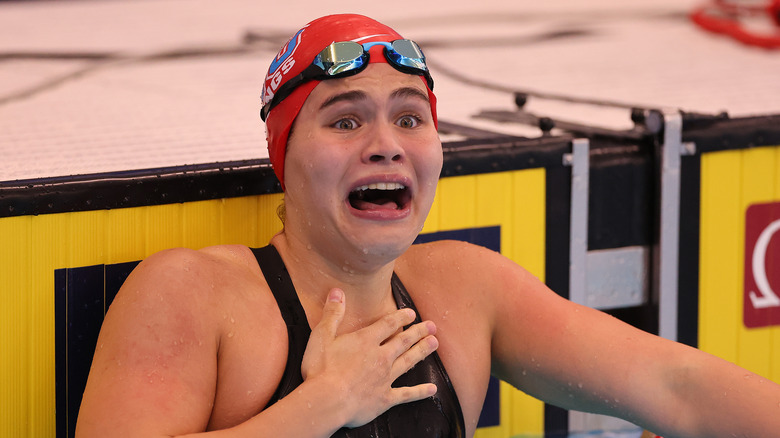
582,359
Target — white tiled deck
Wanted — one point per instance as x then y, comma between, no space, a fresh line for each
61,117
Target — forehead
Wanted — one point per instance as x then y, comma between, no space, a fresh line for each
378,79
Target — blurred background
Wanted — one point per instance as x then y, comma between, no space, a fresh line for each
93,86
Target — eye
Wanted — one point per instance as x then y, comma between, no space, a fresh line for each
408,121
346,124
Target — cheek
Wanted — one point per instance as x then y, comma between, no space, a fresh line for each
312,171
430,160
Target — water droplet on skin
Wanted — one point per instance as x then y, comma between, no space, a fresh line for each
230,335
579,385
308,247
308,404
232,320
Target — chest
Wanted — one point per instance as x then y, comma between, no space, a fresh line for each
253,356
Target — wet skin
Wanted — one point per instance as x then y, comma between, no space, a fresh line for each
194,340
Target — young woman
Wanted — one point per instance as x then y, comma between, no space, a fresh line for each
340,327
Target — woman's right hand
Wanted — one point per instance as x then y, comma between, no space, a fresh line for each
362,365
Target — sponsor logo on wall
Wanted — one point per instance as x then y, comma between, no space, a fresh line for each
762,265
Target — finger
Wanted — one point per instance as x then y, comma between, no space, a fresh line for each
400,342
389,324
332,314
407,394
413,356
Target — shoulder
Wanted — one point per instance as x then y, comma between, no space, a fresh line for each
189,267
461,261
205,259
483,281
444,251
196,281
460,273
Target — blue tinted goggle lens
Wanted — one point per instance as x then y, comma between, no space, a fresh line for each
347,58
408,54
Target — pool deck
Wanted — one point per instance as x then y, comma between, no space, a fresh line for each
89,86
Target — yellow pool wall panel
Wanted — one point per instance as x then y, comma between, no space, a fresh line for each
34,246
731,181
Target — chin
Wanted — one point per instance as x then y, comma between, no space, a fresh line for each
383,244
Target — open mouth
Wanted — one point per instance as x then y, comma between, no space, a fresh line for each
380,196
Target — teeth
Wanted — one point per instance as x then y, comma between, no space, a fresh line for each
382,186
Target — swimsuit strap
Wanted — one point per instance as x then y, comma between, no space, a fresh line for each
452,409
298,330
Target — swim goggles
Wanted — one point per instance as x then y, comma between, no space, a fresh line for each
346,58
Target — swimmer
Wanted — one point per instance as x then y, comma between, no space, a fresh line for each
342,327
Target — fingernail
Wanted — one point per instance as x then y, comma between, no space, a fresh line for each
336,296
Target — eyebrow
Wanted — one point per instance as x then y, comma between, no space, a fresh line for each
409,92
348,96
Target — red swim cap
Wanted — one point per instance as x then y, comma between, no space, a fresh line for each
297,54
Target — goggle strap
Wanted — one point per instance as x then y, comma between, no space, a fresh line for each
288,87
318,71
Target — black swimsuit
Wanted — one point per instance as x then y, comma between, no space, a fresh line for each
439,416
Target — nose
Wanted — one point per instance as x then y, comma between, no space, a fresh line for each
384,146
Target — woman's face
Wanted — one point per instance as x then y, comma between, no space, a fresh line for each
362,164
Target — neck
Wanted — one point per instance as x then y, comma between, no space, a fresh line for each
366,287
